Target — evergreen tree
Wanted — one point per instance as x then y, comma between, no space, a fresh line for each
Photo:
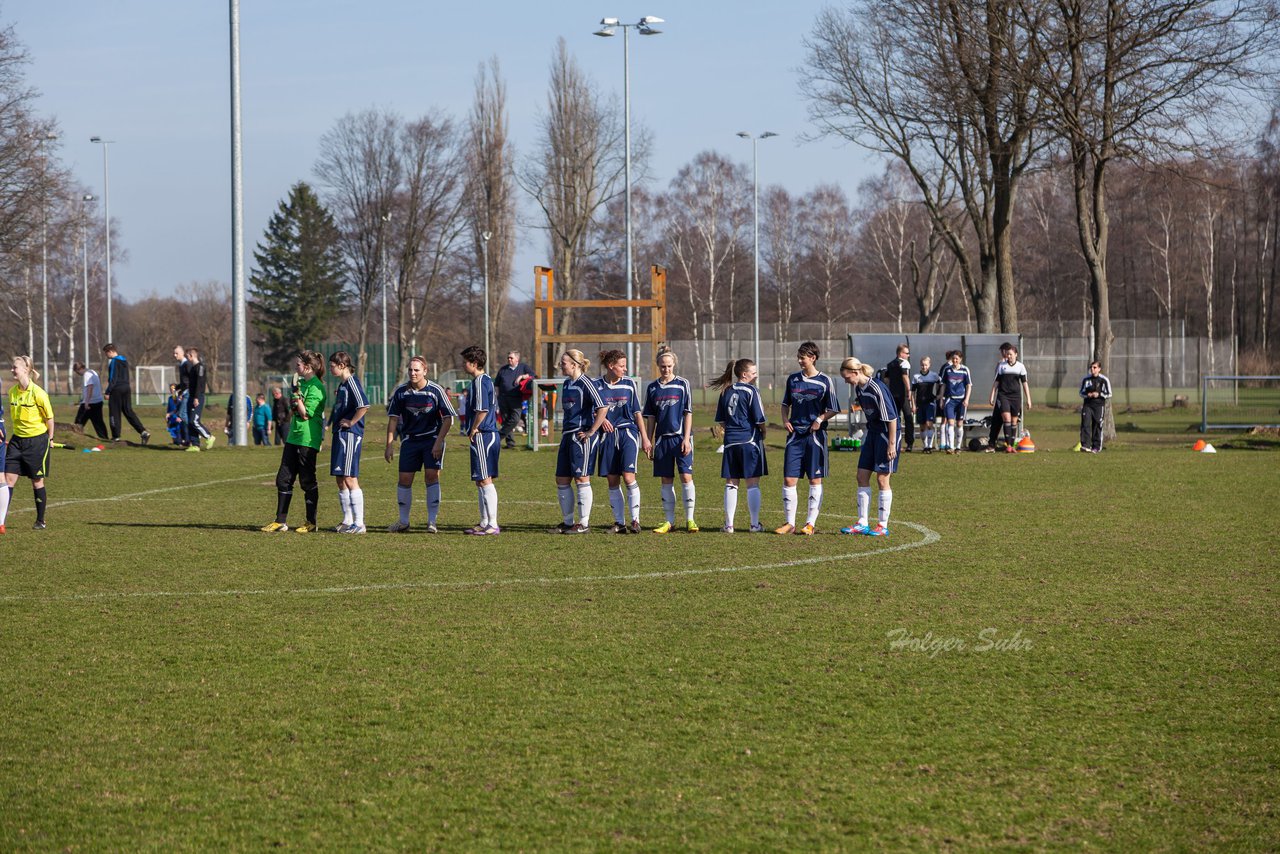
297,288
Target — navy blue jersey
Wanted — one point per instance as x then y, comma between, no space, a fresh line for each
926,388
420,410
579,400
482,398
809,398
741,413
666,404
955,381
623,401
877,405
1009,379
349,397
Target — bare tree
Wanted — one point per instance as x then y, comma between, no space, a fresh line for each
780,249
827,225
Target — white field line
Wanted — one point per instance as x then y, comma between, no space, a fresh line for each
929,537
144,493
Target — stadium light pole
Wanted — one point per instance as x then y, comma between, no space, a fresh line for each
84,250
755,206
386,275
106,218
43,141
485,236
607,30
239,318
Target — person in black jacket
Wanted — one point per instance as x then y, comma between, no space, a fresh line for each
898,376
280,413
119,392
1095,389
197,392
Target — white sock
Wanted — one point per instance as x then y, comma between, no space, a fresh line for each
615,503
864,504
357,507
886,501
404,500
730,504
669,502
489,495
633,499
585,498
753,503
4,502
344,501
928,438
484,506
689,500
789,503
565,494
815,503
433,502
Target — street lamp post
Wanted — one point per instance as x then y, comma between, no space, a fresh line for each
755,192
44,139
106,218
645,28
386,276
485,237
84,249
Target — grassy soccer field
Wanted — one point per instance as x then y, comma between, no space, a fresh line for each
172,678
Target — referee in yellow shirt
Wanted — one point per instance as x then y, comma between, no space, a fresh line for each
27,454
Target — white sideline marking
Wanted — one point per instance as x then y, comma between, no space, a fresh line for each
144,493
930,537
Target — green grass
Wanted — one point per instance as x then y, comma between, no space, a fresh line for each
174,679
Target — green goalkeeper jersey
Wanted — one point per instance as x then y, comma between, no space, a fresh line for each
309,432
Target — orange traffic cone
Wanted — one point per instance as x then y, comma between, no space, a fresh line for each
1026,446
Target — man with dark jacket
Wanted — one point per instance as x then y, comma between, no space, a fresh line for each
119,393
280,413
510,397
898,376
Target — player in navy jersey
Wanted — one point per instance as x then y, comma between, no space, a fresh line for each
881,448
584,416
620,448
926,388
1010,394
346,420
956,387
808,402
1095,389
668,407
419,412
741,414
480,420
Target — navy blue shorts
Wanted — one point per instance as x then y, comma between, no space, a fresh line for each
415,454
953,410
875,453
576,457
927,414
619,453
344,453
667,459
484,455
744,461
805,455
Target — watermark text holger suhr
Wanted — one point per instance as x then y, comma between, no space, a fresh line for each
987,640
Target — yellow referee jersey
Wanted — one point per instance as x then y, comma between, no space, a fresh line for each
30,410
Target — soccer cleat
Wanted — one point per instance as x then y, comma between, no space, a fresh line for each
617,528
727,529
807,530
307,528
208,443
354,529
274,528
664,528
785,529
635,526
576,529
691,527
473,530
757,528
432,529
858,528
877,531
1010,449
397,527
193,449
341,529
1,529
146,437
560,528
39,525
488,531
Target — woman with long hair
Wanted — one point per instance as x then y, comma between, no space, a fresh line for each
306,434
350,405
668,408
584,416
881,448
620,450
741,414
27,454
808,402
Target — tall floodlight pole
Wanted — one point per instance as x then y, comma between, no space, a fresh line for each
607,28
755,192
84,250
386,276
485,237
239,330
106,219
43,140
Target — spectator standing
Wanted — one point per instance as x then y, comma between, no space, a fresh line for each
197,391
182,381
262,422
119,393
898,376
279,414
510,394
90,401
229,426
1096,391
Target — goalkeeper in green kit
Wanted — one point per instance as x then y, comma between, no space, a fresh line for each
306,433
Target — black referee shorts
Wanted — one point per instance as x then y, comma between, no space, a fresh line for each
28,456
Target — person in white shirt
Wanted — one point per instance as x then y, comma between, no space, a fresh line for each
90,402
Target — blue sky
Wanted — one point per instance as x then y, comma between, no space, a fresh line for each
152,75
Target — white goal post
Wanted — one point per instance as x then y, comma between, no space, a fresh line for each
151,383
1239,402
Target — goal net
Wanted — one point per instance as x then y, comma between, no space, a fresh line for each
1239,402
151,383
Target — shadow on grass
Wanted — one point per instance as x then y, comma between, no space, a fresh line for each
449,531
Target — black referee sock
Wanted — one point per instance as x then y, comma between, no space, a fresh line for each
312,499
1009,432
282,506
41,499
